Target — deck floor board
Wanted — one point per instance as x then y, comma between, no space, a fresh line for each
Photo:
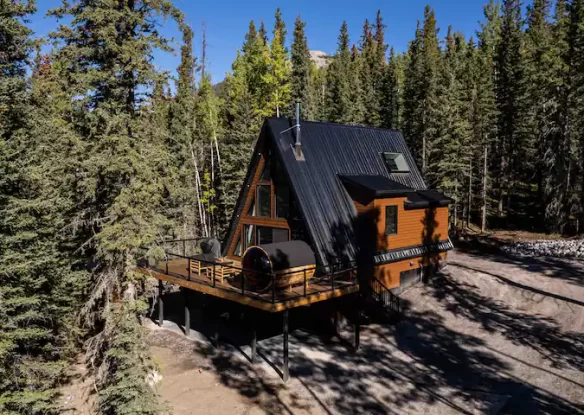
316,289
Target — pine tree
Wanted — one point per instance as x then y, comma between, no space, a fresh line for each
484,110
542,66
420,96
413,94
391,93
318,93
255,59
573,110
39,292
366,65
512,144
359,92
280,26
300,79
276,80
106,61
338,91
453,147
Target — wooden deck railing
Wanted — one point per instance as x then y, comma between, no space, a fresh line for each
325,279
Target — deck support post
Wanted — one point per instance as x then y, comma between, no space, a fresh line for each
358,324
254,343
187,312
160,304
285,368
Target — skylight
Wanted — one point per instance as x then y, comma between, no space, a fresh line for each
395,162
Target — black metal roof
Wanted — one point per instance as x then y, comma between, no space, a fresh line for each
333,150
426,198
375,185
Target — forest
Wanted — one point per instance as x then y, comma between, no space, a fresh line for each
103,154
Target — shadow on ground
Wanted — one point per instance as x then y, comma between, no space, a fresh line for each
421,363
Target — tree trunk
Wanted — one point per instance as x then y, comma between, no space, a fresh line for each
484,213
468,210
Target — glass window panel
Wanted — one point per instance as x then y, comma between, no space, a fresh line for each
264,208
264,235
395,162
237,250
280,235
391,220
252,208
282,201
249,236
266,173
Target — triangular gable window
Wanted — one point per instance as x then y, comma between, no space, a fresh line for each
266,173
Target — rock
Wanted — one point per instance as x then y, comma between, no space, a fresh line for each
551,248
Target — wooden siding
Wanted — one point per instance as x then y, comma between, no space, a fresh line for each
414,227
389,274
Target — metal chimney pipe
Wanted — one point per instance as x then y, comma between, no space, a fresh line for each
298,142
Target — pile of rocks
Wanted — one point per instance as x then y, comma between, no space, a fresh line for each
554,248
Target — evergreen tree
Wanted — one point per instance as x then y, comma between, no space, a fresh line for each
359,91
276,80
542,66
573,109
390,106
420,96
338,91
255,56
453,149
106,61
512,144
366,67
38,290
413,94
484,110
280,26
300,79
318,93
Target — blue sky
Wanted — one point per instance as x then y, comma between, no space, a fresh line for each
227,22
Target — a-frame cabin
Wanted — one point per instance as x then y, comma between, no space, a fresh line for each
327,211
353,193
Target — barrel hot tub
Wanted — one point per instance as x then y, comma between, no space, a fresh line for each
288,261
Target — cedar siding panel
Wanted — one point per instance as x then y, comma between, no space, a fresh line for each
412,225
389,274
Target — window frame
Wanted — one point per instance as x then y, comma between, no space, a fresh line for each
385,156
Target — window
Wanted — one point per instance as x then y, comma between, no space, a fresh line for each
249,239
282,201
252,209
395,162
391,220
237,250
267,235
266,173
264,207
264,235
280,235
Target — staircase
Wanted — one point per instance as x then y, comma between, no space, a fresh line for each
383,301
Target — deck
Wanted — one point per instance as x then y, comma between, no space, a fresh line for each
233,286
